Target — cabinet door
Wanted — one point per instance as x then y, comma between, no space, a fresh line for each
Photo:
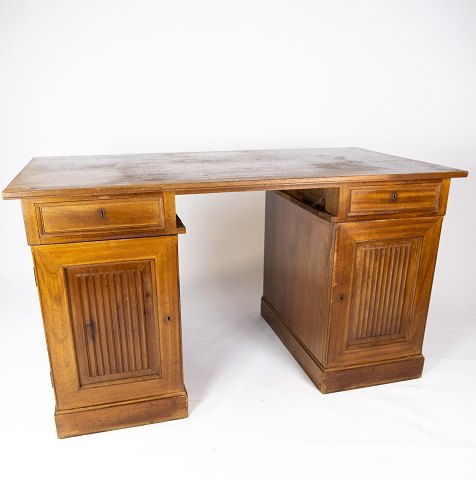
382,281
111,316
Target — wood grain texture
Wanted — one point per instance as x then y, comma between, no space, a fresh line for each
384,284
112,310
348,294
298,269
74,293
350,253
324,202
84,217
329,380
51,220
206,172
375,200
394,198
121,415
361,290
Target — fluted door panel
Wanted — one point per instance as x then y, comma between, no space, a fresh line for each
113,320
111,309
381,288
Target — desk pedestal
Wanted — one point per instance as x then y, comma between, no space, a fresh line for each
112,326
349,299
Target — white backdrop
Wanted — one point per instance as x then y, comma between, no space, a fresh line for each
99,77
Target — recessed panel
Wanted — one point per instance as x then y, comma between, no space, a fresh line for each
92,217
387,198
114,322
383,291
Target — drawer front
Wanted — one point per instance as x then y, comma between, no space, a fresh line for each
394,198
50,220
93,217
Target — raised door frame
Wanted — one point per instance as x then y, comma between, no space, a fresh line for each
382,278
112,319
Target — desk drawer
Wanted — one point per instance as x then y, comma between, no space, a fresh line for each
99,216
51,220
393,198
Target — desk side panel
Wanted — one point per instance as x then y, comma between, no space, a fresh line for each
299,248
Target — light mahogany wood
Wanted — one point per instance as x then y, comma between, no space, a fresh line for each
297,269
394,198
330,380
382,277
112,320
50,220
374,200
350,294
350,250
207,172
121,415
89,217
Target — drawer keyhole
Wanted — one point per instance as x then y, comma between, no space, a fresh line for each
394,196
102,212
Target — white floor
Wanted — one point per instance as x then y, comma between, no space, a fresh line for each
253,412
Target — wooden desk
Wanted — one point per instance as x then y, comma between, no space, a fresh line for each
350,248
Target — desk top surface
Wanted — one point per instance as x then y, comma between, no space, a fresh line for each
206,172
